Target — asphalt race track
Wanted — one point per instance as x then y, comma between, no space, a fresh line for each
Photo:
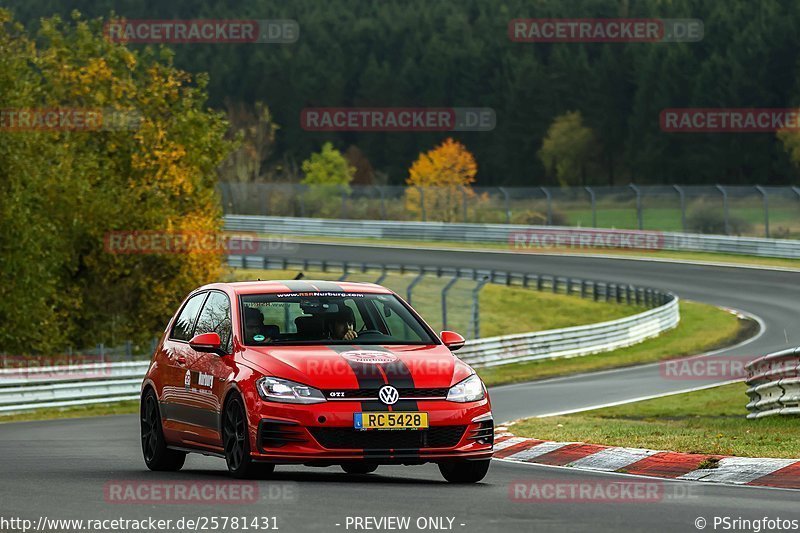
58,469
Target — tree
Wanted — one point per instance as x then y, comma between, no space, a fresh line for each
64,191
254,130
568,149
328,167
440,180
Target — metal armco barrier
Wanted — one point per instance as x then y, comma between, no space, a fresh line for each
512,235
23,390
774,384
572,342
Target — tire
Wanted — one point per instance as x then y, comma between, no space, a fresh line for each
156,455
359,468
236,441
464,471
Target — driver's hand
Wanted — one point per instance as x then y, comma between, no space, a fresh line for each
350,334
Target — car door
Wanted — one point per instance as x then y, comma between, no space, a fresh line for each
175,357
207,373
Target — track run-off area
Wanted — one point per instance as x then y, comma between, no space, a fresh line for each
63,468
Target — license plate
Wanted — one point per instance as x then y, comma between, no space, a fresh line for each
393,420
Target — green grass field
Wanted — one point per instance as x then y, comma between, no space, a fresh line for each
503,310
702,328
711,421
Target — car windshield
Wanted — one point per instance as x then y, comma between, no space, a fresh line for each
330,318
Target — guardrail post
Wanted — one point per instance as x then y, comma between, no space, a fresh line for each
628,294
507,204
539,282
595,291
383,275
345,272
765,199
594,205
569,286
413,284
583,288
555,284
724,192
639,217
549,205
682,196
445,289
476,314
608,290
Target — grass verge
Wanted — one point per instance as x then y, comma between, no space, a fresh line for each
98,409
702,328
710,421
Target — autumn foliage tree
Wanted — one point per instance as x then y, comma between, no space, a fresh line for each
62,191
440,182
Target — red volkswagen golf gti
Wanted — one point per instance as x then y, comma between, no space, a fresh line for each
316,373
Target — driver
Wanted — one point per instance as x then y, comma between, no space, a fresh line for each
340,326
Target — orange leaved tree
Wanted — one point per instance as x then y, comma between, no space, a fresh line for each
440,181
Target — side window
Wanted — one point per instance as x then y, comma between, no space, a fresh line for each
216,316
182,330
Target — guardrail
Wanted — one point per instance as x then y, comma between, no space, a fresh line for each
23,389
516,237
572,342
774,384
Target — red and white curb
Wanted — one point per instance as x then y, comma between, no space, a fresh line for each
762,472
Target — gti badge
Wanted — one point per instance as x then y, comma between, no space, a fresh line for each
388,395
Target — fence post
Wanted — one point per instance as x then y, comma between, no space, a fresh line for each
476,313
507,204
383,201
445,289
765,198
594,205
422,203
413,284
549,205
724,192
639,218
682,196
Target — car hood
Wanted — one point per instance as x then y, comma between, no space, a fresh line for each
354,367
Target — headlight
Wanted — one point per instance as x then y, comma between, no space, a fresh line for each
283,390
468,390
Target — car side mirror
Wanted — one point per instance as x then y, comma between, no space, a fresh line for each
452,340
207,343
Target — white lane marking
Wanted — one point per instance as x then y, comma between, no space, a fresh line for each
510,442
738,470
639,399
612,459
536,451
762,329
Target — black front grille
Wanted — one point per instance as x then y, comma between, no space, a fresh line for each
349,438
373,393
275,433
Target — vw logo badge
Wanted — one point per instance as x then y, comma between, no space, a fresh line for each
388,395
